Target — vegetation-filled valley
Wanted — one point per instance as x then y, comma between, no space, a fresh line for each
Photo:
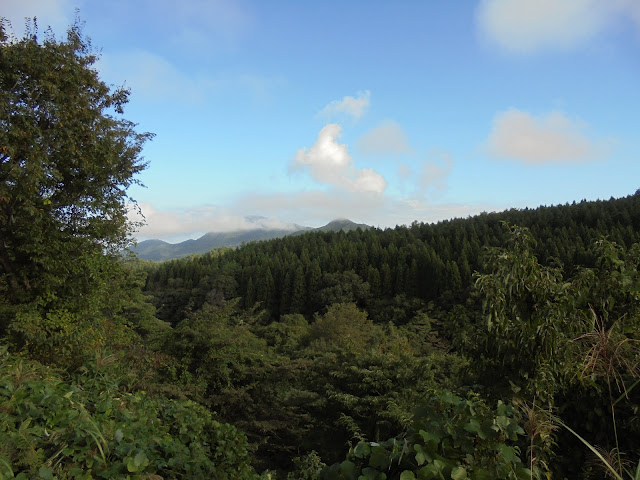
501,346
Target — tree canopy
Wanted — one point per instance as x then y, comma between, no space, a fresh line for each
66,159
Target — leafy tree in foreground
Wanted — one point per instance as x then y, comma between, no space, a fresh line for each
66,160
568,345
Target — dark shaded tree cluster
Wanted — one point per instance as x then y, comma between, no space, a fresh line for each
69,300
427,262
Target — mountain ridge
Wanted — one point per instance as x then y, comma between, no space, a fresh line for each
159,250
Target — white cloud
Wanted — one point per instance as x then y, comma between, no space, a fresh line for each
311,208
385,139
329,162
404,171
316,208
180,224
352,106
526,26
553,138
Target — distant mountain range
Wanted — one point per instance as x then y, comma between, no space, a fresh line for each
160,250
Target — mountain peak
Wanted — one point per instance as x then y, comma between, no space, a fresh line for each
343,224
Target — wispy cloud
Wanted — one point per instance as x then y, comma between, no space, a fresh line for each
329,162
315,208
57,14
434,173
180,224
153,77
285,210
525,26
387,138
354,107
203,26
548,139
259,86
430,177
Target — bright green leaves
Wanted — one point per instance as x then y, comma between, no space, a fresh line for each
407,475
49,429
451,438
459,473
45,473
526,307
136,463
362,450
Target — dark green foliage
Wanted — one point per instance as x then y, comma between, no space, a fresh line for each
351,375
525,307
450,437
90,427
66,159
561,341
292,385
67,297
67,333
428,262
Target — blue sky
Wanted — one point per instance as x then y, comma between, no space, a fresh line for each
381,112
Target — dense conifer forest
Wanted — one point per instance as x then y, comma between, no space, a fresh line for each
500,346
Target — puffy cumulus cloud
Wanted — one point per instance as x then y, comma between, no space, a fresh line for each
385,139
181,224
525,26
367,180
328,161
553,138
352,106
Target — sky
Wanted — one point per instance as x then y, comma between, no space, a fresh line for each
285,112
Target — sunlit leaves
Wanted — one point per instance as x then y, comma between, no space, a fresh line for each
66,161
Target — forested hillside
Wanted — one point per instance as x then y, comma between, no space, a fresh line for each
422,262
501,346
349,332
159,250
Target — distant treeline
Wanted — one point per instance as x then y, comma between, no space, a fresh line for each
427,262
